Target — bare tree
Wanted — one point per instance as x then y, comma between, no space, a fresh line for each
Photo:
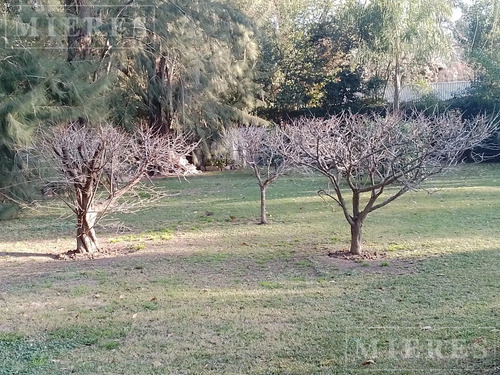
363,155
257,147
100,164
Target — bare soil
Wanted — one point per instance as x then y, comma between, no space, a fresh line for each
369,262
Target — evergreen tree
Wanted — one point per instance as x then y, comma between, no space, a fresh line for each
182,67
289,66
307,59
39,87
193,70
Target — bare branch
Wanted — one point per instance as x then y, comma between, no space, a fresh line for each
260,149
93,161
368,153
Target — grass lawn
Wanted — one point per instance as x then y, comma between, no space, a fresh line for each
204,290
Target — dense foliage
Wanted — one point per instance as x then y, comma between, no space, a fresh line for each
202,66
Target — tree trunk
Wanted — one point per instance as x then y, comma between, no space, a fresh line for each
263,214
169,82
79,40
155,95
356,242
161,96
397,85
86,239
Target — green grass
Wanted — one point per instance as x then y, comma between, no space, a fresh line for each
221,295
150,235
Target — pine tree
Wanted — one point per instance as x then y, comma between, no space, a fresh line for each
192,71
39,87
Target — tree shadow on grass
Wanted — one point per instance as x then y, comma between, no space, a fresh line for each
445,311
27,255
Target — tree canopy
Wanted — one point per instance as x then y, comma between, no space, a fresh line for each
479,35
363,155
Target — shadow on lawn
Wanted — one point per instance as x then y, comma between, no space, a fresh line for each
27,255
445,312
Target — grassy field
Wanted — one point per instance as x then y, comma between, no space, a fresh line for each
204,290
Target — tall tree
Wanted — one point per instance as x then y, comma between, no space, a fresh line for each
480,36
38,87
289,65
181,65
401,37
193,70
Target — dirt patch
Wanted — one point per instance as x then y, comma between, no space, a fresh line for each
107,252
365,256
368,262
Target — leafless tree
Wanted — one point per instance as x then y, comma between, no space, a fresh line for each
362,155
257,148
99,164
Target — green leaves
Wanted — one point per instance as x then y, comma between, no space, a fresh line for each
401,37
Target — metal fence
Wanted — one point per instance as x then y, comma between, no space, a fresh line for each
439,90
